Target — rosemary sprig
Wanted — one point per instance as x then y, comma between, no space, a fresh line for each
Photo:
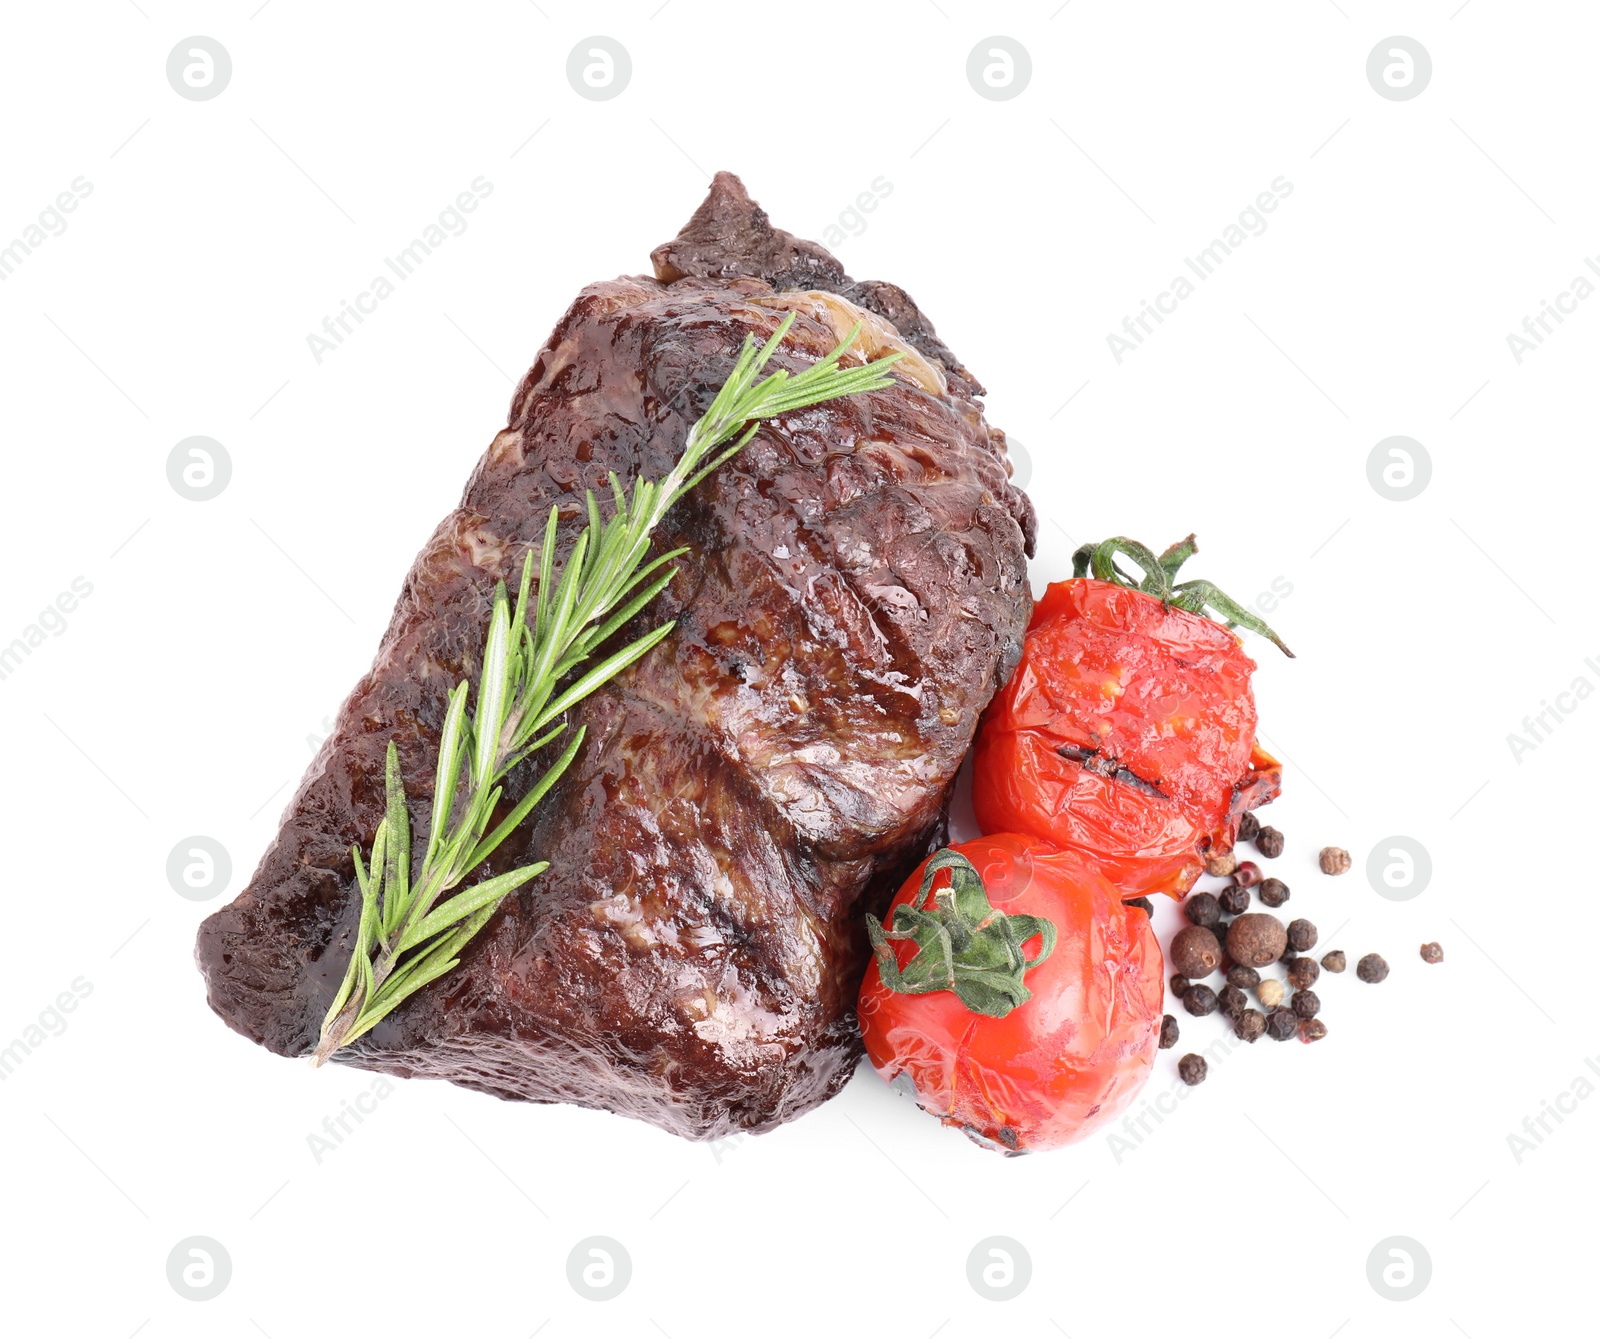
536,666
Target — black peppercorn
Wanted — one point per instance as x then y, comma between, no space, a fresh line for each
1269,841
1372,968
1232,1002
1169,1031
1303,973
1179,984
1246,978
1250,1025
1203,909
1333,960
1196,952
1273,892
1143,903
1249,825
1200,1000
1192,1069
1305,1004
1302,935
1313,1029
1234,899
1282,1023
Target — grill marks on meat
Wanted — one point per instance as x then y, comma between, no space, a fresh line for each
854,593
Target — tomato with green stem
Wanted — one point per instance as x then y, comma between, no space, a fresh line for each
1014,992
1128,731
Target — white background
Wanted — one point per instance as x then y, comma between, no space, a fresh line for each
185,695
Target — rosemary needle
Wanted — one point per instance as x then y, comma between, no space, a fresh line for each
538,663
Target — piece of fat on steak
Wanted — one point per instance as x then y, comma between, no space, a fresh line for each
855,591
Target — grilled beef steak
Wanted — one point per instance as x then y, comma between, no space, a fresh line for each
855,591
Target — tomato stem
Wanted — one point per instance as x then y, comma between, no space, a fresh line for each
963,944
1193,597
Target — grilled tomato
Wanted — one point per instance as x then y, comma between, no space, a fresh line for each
1127,732
1013,992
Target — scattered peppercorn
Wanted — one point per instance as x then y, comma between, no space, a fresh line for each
1169,1031
1303,973
1432,953
1302,935
1196,952
1256,939
1234,899
1200,1001
1179,984
1270,993
1203,909
1305,1004
1248,874
1192,1069
1333,960
1143,903
1249,825
1269,841
1282,1023
1313,1029
1232,1002
1221,865
1250,1025
1372,969
1334,860
1246,978
1273,892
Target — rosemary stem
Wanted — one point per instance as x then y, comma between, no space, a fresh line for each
407,937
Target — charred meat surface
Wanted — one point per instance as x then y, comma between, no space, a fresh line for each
854,593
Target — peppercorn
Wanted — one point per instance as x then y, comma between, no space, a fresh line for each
1432,953
1372,969
1169,1031
1250,1025
1269,841
1246,978
1234,899
1256,939
1273,892
1203,909
1249,825
1248,874
1221,865
1200,1000
1179,984
1143,903
1334,860
1305,1004
1192,1069
1232,1002
1302,935
1313,1029
1303,973
1333,960
1196,952
1288,954
1282,1023
1270,993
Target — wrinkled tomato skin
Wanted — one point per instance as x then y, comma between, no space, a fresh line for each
1064,1062
1157,697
